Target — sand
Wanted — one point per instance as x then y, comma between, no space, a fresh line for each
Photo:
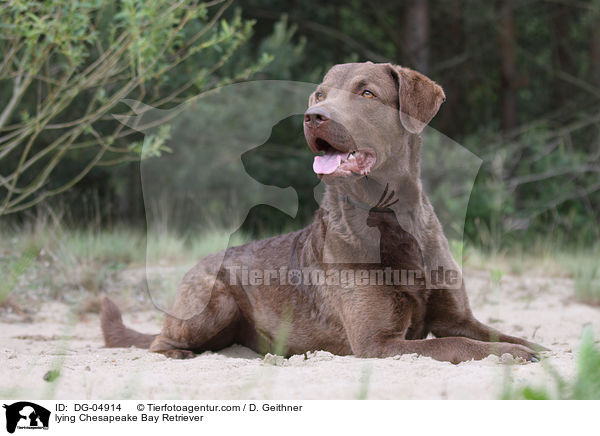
536,308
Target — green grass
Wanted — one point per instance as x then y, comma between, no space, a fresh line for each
585,386
13,270
587,281
364,382
542,257
53,262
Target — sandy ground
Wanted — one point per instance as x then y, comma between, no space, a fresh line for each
537,308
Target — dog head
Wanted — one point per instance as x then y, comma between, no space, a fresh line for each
359,114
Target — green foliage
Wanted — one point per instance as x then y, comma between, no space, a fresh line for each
67,64
585,386
153,144
539,179
538,182
364,382
51,375
496,277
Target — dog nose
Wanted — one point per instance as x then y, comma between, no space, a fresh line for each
315,117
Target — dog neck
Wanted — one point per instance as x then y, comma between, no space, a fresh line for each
400,173
341,230
347,206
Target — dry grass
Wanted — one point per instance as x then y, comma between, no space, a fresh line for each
51,261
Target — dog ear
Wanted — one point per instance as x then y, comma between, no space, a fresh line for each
419,98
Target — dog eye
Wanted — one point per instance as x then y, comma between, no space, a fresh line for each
367,94
319,96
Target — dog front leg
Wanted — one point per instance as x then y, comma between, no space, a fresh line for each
449,315
376,322
451,349
470,327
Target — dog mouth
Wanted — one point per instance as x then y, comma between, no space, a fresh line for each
335,160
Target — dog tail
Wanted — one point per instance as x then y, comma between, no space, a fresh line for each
116,335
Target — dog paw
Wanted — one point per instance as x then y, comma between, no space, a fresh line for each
180,354
518,352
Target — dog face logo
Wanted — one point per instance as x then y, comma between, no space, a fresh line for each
26,415
231,168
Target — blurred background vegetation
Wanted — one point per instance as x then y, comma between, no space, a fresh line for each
522,79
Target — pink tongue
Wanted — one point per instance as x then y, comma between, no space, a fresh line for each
328,163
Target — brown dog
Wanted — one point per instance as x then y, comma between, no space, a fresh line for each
374,220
